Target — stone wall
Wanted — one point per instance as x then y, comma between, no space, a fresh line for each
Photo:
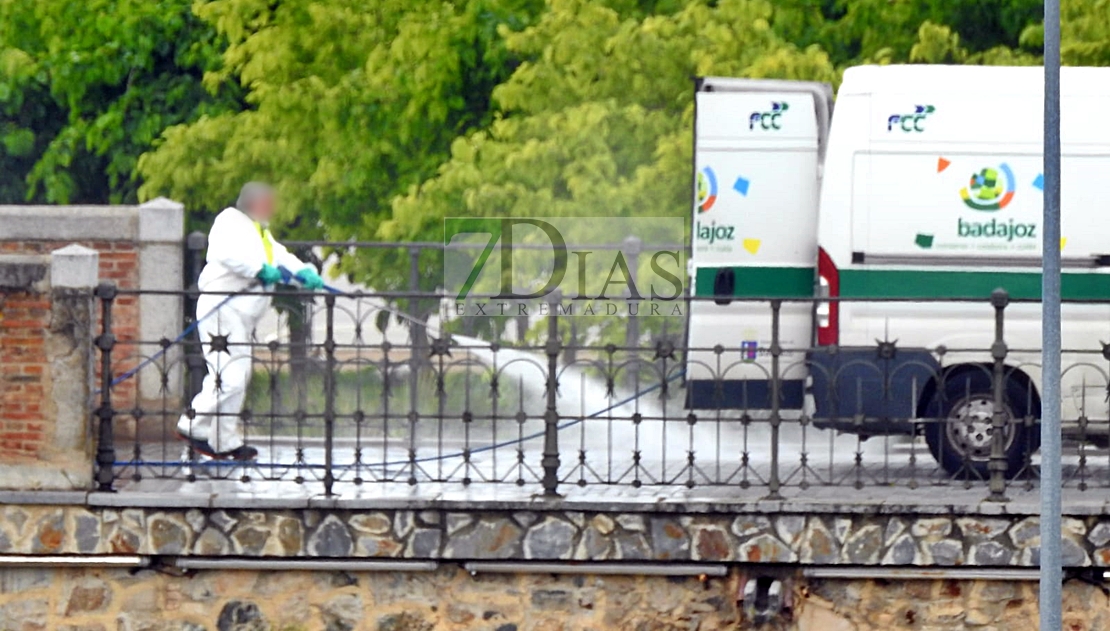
47,322
449,598
118,262
544,535
46,315
85,599
167,595
881,605
139,246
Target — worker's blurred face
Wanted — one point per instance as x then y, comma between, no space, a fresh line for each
262,209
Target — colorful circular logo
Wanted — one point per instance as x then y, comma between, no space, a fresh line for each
707,189
989,189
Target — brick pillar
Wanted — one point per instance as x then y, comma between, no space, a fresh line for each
46,369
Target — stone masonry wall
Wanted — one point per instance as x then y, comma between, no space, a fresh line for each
85,599
168,597
550,535
139,247
883,605
45,369
119,263
449,598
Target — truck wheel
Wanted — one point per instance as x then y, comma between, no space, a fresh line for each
960,431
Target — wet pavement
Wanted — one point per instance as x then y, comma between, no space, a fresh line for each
599,465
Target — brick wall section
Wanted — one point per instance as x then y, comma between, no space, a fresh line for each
119,263
24,318
45,369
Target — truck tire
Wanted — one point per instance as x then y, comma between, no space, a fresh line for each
959,429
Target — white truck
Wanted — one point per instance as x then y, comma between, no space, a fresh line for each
907,208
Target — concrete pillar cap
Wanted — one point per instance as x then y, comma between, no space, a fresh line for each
74,267
161,220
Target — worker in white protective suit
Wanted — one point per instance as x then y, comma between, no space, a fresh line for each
243,259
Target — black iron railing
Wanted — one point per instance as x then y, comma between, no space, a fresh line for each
364,406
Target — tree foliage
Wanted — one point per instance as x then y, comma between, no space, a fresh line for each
349,103
86,87
598,121
378,118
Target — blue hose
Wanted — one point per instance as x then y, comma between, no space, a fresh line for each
397,463
289,278
177,340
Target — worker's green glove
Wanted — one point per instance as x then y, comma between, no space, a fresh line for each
310,279
269,275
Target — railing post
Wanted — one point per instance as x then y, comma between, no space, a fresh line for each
195,245
997,464
414,269
105,342
418,333
570,352
774,484
468,320
551,414
329,393
521,328
632,247
418,339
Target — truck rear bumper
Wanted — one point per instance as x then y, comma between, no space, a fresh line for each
743,394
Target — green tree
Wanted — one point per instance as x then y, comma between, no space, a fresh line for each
865,31
86,86
1084,33
599,121
349,103
939,45
379,119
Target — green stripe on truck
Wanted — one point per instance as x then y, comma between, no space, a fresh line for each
759,282
874,283
797,282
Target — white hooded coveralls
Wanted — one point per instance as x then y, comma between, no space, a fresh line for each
237,249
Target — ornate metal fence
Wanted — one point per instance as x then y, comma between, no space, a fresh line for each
350,405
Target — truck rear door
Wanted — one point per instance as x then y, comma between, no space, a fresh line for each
757,157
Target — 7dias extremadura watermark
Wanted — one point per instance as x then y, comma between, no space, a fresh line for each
578,266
